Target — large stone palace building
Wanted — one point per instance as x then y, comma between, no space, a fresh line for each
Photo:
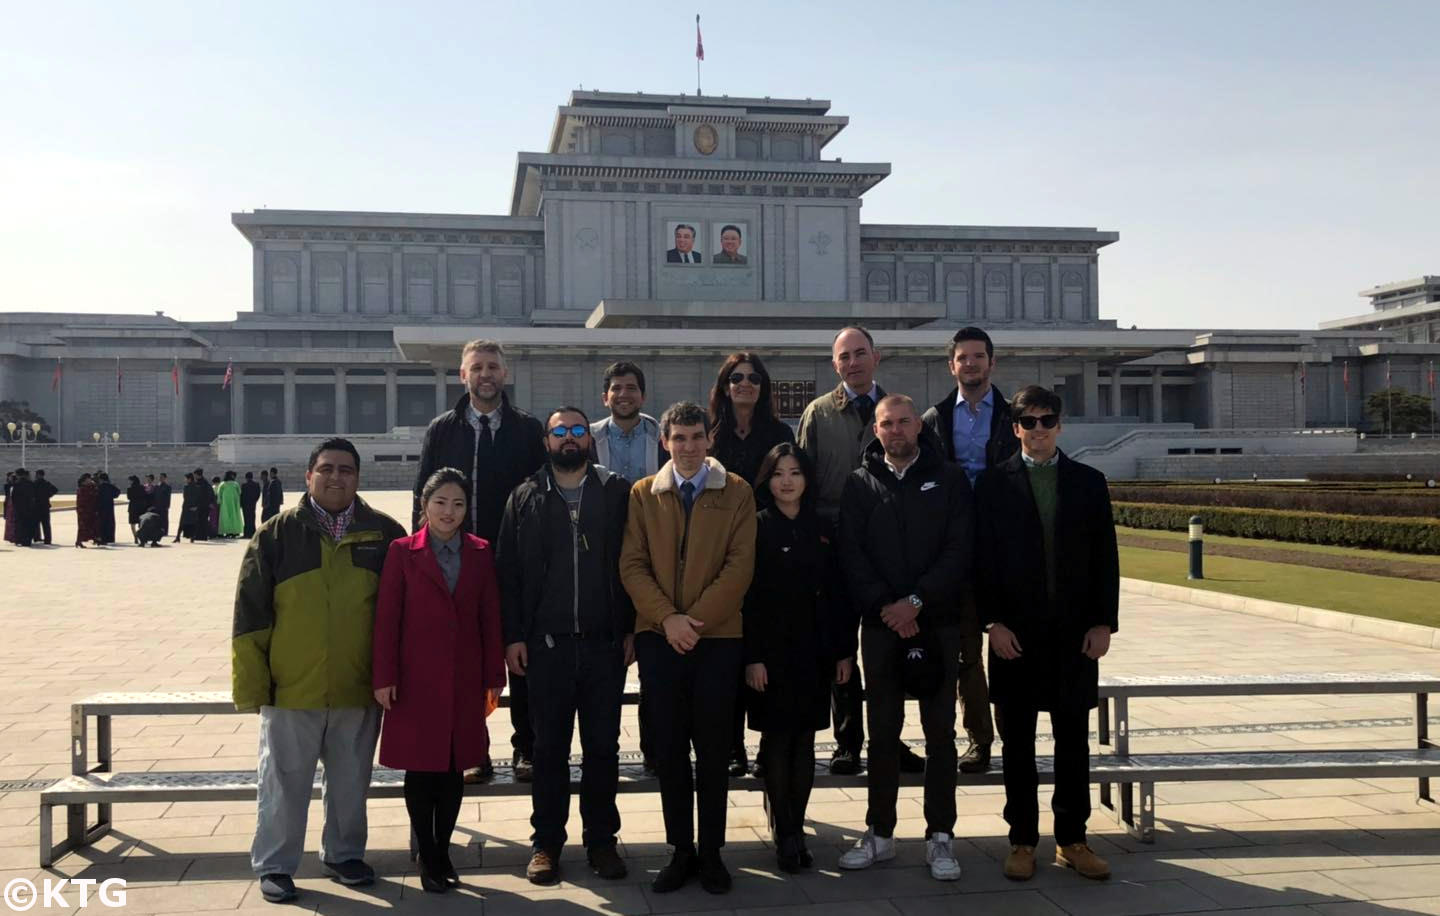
671,230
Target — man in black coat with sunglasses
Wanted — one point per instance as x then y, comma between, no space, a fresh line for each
1048,574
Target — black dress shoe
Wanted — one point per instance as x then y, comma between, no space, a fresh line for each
845,763
606,863
806,859
910,762
789,862
432,881
714,876
683,865
647,766
739,766
976,759
446,870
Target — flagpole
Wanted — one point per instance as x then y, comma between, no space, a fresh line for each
119,390
699,55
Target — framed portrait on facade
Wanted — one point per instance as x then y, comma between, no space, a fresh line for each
684,242
732,241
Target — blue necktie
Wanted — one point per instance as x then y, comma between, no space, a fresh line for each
687,491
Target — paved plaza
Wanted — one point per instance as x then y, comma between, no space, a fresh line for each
79,622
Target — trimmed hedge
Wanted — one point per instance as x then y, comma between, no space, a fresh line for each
1403,535
1419,503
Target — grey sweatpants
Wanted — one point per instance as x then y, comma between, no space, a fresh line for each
292,742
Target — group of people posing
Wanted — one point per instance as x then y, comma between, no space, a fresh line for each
752,573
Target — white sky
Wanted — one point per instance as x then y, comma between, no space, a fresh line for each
1263,161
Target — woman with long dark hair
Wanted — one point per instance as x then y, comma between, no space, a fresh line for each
438,666
794,644
139,500
743,429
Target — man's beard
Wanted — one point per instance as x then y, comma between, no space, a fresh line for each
902,451
568,459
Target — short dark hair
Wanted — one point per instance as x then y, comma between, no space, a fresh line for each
566,409
229,475
1035,396
727,228
274,472
249,475
198,472
147,476
682,413
39,472
680,226
624,368
333,444
972,333
439,479
870,338
763,497
162,476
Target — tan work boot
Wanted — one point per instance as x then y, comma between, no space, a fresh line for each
1083,859
1020,864
544,868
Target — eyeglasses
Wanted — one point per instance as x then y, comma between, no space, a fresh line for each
578,431
753,378
1049,420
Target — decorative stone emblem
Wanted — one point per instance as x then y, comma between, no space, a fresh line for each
706,140
821,242
587,237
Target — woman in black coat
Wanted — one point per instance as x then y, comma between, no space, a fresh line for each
140,501
105,495
792,643
743,430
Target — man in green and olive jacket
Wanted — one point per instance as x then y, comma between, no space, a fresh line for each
301,648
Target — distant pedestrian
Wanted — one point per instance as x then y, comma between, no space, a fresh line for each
86,499
138,501
249,496
44,490
150,529
228,497
214,518
22,494
9,507
105,495
162,502
187,509
273,498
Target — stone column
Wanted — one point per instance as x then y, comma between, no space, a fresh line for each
1092,301
397,283
1090,388
440,405
442,284
289,402
305,284
237,402
392,401
1017,290
352,280
178,420
1115,399
258,279
1052,297
342,403
1157,399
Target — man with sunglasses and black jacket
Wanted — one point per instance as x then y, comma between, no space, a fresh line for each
569,627
973,425
1048,574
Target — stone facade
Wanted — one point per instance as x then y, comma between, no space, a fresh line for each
358,318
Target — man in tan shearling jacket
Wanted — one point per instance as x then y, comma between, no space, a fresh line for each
687,560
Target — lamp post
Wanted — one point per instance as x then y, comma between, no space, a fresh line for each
105,441
31,432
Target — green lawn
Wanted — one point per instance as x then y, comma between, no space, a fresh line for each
1355,593
1286,545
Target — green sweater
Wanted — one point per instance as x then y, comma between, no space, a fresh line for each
1044,483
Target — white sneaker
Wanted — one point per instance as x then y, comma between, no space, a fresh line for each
868,850
943,866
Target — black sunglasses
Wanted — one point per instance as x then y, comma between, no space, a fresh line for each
578,431
1049,420
753,378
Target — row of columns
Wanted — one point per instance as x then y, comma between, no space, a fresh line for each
393,381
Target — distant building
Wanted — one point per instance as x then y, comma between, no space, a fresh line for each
609,251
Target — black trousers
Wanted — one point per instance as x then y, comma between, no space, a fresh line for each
847,707
433,800
249,514
107,526
885,706
974,691
1071,802
522,738
789,759
24,529
584,678
42,525
690,701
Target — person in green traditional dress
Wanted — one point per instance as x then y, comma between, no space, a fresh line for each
232,520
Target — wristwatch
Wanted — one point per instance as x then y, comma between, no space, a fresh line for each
915,602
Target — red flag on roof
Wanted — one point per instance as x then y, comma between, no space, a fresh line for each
119,378
699,44
55,379
229,374
175,375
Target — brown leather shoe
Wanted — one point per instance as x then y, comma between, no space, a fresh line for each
1020,864
543,868
1083,859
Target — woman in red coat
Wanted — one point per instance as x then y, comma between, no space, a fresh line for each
85,499
438,666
